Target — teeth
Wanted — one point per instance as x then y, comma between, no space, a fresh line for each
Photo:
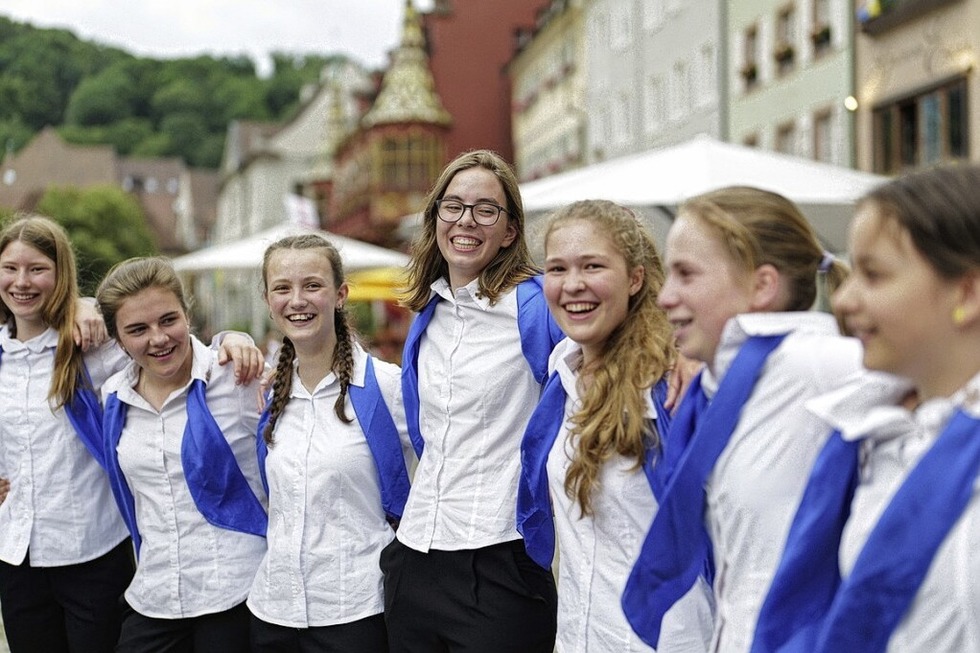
463,241
580,307
300,317
22,297
161,354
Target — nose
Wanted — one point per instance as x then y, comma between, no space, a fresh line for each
158,336
21,279
842,301
296,298
573,281
463,220
667,297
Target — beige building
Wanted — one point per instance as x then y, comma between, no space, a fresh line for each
917,90
790,76
548,80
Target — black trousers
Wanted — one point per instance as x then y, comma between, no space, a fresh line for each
71,609
225,631
489,600
362,636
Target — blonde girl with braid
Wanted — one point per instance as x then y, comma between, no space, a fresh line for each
336,454
592,445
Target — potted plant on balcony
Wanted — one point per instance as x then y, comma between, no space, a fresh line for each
820,35
783,53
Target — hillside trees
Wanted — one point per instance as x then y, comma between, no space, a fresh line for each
142,106
105,224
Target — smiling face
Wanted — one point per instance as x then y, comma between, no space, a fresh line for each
27,280
704,288
302,297
154,330
468,247
895,302
587,284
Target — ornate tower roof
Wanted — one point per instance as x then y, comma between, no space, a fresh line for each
408,91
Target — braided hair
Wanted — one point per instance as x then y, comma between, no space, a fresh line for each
343,357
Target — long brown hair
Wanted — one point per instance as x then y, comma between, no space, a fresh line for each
343,357
49,238
639,352
510,266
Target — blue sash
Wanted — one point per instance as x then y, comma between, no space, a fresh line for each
215,481
869,605
535,520
539,335
808,576
677,547
382,438
84,413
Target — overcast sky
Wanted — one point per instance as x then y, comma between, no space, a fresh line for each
363,29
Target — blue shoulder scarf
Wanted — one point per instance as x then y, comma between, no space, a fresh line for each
216,482
809,609
381,434
84,413
535,520
539,335
677,548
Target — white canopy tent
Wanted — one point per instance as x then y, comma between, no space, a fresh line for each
226,278
656,181
246,254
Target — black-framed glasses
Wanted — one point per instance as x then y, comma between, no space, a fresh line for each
484,213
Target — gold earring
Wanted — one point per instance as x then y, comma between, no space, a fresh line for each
959,315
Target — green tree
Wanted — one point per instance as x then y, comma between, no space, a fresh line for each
106,225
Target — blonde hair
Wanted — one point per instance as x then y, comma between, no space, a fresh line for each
131,277
758,227
58,312
510,266
640,351
343,358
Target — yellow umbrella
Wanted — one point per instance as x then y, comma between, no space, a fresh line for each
375,283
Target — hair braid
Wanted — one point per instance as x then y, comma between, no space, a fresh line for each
282,385
343,360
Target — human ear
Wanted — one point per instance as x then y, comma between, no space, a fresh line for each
766,288
636,279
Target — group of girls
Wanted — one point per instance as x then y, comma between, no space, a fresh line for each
539,411
237,547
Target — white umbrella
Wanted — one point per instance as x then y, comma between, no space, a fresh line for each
246,254
663,178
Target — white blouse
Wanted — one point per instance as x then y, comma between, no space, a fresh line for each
945,614
596,553
326,523
758,480
60,505
477,394
187,566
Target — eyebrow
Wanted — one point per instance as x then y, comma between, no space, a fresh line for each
490,200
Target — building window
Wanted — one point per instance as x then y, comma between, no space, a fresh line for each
707,83
820,30
409,162
750,57
823,136
784,50
622,27
680,91
653,14
621,120
923,129
786,138
653,113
